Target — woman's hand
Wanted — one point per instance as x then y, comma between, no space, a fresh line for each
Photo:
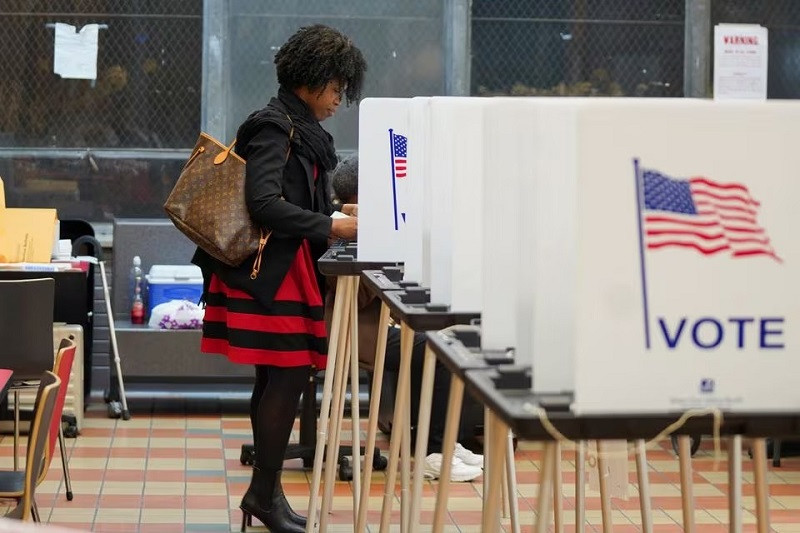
345,228
350,209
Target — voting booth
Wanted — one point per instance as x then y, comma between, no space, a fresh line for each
635,254
709,308
623,247
420,192
416,245
529,244
456,189
383,177
652,269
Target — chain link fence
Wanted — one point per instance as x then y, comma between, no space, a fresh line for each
75,144
147,92
114,147
401,42
782,19
578,47
94,187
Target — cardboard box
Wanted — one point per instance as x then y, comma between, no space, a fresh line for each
2,222
27,235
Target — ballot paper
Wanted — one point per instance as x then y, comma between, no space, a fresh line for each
75,52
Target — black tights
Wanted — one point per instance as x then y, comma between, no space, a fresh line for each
273,408
441,387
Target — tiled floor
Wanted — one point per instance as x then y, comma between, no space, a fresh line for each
182,473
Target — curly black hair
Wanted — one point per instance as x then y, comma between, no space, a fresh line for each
318,54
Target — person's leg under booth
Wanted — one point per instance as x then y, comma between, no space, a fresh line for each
441,390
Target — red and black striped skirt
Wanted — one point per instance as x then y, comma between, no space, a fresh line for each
290,332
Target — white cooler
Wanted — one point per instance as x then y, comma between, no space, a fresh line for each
173,282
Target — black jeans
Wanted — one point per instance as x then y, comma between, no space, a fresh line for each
441,387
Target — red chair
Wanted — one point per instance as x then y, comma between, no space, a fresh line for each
62,369
21,484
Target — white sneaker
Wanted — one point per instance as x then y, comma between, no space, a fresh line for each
467,456
458,473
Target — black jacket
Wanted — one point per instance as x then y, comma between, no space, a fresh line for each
303,213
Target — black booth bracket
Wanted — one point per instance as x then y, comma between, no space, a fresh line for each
342,260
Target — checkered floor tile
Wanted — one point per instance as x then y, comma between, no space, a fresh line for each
162,474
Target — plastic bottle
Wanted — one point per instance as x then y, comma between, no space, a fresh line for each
137,302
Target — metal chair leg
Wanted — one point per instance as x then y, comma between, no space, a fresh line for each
16,429
63,448
35,512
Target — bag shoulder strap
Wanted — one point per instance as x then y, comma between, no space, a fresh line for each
225,153
265,234
291,136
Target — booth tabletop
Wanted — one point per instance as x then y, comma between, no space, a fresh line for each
342,260
454,355
377,282
514,407
419,317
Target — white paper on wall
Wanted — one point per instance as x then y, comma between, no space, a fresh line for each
75,52
740,61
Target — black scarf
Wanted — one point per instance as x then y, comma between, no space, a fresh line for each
310,139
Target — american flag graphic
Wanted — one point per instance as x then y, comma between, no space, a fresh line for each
398,146
702,214
399,155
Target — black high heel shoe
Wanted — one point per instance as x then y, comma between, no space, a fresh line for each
265,500
281,501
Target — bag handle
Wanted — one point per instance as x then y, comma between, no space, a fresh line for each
224,155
